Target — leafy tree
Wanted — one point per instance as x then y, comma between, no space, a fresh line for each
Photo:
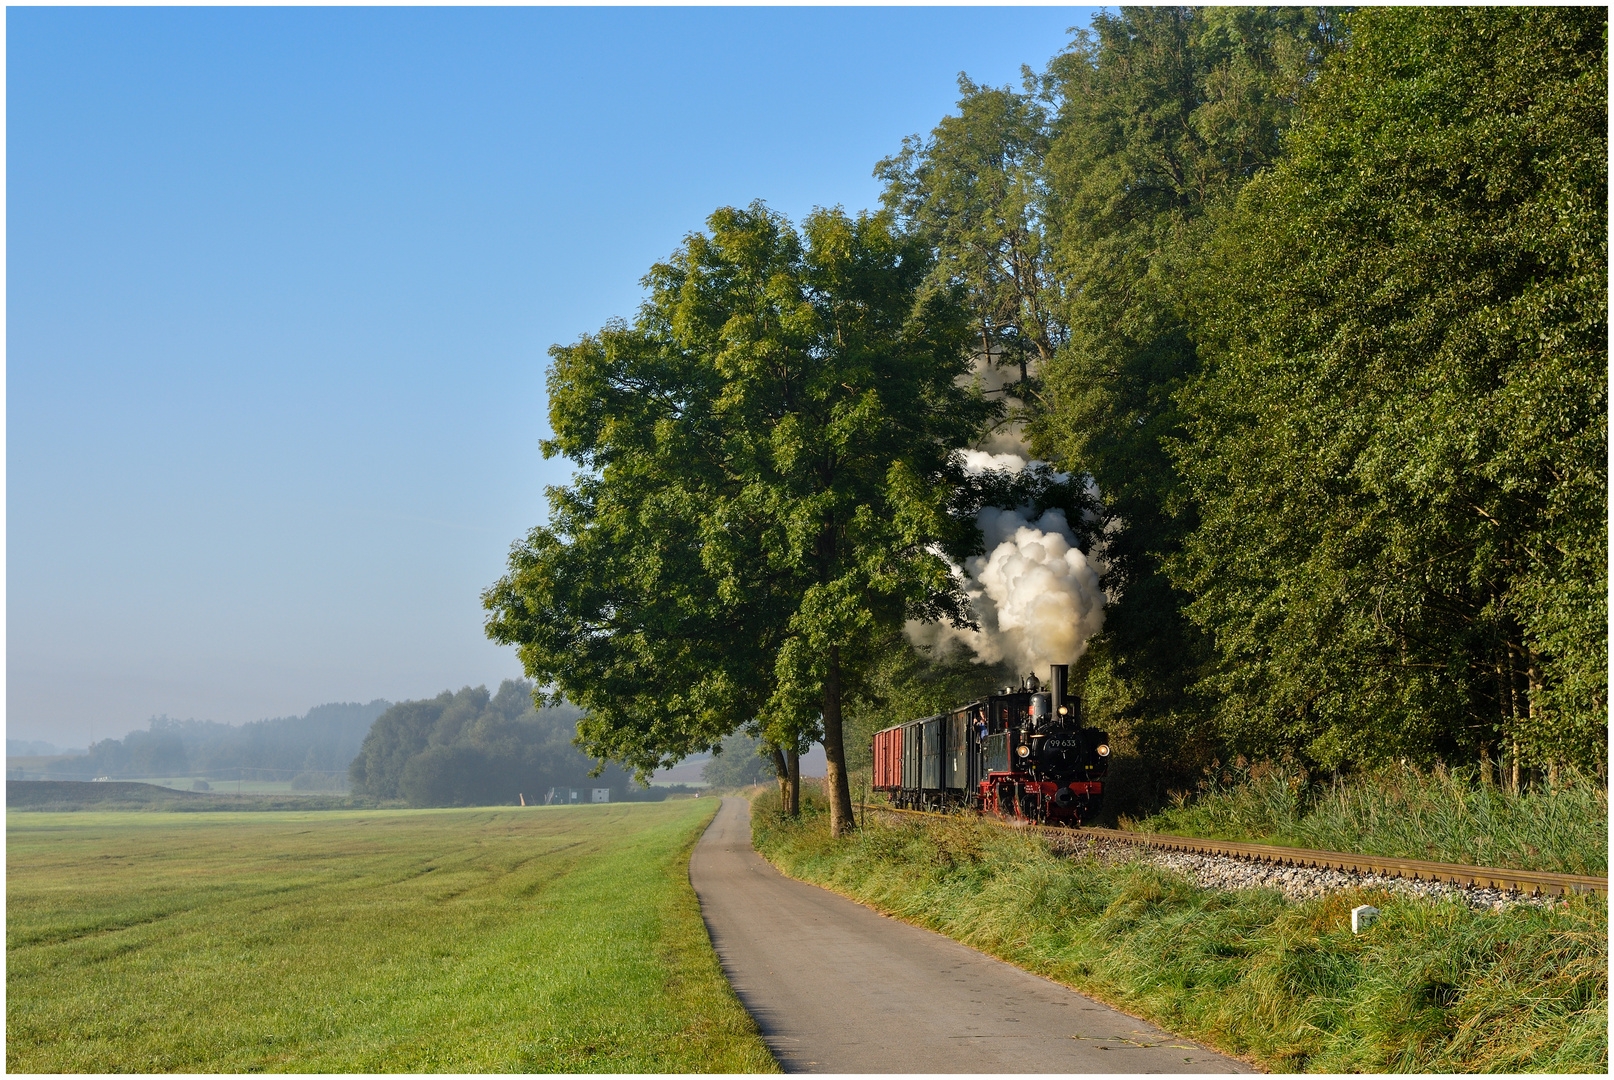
1399,444
645,600
769,466
974,192
1161,115
472,749
741,760
1399,450
157,752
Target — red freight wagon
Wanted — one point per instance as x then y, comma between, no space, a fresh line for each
888,759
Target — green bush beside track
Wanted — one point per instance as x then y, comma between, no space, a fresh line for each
1402,812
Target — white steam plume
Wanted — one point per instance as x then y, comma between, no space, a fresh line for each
1034,593
1007,440
980,461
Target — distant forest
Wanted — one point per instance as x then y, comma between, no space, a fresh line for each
739,761
469,748
475,749
35,748
320,743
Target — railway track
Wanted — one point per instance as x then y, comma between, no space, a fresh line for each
1529,882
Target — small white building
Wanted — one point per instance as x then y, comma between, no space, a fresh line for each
569,796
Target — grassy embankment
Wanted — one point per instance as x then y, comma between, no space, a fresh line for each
1401,812
1431,987
538,939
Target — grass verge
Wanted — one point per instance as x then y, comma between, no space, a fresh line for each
1429,988
533,940
1404,813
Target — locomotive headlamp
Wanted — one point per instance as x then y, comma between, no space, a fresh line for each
1023,750
1063,709
1103,749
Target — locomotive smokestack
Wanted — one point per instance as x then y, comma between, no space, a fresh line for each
1058,674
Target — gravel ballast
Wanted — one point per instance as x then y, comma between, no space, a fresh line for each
1295,882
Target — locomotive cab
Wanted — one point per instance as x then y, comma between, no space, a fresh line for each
1039,762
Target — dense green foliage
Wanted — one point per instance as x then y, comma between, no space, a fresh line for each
1319,302
1398,811
1431,987
1162,114
974,190
1068,213
537,940
768,472
473,749
1398,449
322,741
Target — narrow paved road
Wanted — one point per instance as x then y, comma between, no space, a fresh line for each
838,988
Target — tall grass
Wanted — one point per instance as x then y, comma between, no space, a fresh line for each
536,940
1432,987
1402,812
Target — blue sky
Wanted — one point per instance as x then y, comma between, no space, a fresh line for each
281,284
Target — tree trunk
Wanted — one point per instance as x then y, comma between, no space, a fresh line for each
782,772
793,807
1513,707
1504,697
836,784
1538,719
1532,671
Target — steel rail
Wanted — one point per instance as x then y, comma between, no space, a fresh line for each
1529,882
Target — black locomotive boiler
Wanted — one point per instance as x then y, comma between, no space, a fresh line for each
1022,754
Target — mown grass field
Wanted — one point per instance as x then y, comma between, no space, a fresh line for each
536,939
1431,987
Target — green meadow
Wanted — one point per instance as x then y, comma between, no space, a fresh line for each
523,939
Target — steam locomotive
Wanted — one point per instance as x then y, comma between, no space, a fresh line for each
1022,755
